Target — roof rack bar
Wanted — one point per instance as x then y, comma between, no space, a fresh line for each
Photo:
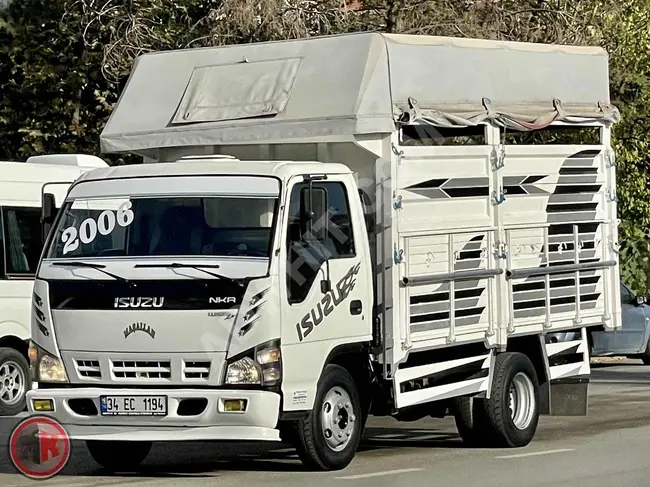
79,160
208,157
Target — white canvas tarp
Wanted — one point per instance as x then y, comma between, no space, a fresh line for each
338,87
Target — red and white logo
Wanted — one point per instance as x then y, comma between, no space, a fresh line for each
39,447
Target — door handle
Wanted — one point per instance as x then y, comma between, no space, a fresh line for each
356,307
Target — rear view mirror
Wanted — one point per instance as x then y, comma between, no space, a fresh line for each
48,214
367,211
313,214
640,300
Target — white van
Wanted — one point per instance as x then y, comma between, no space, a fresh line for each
21,186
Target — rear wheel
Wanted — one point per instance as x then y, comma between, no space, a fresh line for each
119,456
14,377
513,407
471,420
329,437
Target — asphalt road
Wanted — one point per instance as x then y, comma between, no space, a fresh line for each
610,447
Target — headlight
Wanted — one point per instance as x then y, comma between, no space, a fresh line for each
44,366
259,366
243,371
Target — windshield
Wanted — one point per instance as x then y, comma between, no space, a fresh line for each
170,226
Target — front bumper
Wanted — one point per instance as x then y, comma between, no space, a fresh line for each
77,409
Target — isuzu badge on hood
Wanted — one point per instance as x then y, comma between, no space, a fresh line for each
139,302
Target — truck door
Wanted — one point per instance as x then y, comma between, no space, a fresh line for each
327,278
631,337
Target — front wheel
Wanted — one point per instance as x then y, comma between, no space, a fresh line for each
119,456
14,376
645,356
329,437
513,407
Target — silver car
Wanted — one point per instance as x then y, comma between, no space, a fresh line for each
632,340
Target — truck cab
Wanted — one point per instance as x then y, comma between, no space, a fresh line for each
160,261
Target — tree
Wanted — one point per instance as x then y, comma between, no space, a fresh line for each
52,96
627,38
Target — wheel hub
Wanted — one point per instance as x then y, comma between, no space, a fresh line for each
522,401
12,383
337,419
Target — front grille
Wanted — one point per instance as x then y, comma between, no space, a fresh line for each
196,370
89,369
140,369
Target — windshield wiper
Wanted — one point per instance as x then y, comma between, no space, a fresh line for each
198,267
99,267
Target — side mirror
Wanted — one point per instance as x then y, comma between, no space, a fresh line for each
48,214
640,300
313,215
367,211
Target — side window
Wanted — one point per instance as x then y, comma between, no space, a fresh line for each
311,241
22,236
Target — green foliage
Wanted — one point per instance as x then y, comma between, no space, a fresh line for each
634,256
627,39
63,64
52,96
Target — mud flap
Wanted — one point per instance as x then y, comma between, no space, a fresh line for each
568,397
565,393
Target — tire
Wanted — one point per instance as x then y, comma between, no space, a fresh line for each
512,370
337,392
645,356
287,432
14,381
119,456
471,420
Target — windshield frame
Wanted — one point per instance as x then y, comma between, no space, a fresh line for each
68,202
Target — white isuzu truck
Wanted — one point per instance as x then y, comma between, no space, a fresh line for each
327,229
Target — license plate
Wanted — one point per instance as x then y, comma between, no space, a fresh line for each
133,405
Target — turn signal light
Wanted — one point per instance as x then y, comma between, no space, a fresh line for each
32,353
